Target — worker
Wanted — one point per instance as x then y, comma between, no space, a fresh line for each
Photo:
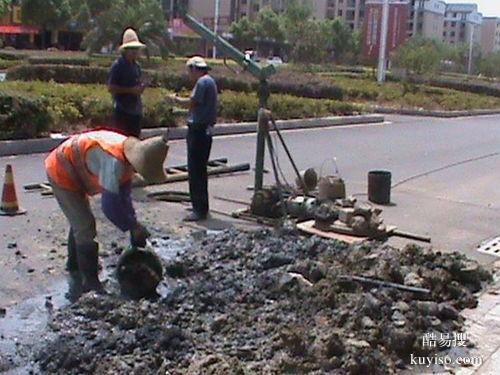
126,86
100,161
202,116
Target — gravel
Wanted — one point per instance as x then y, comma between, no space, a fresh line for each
269,302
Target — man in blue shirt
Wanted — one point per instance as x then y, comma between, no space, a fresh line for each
124,83
202,117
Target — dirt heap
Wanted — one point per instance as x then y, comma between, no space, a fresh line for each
270,303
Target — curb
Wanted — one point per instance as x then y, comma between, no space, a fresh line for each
42,145
441,114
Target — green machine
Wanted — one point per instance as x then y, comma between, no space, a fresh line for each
255,69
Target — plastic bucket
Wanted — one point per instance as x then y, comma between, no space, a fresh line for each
379,187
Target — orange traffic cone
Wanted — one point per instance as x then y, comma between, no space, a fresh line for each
9,205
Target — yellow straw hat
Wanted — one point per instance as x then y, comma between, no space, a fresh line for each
131,40
147,157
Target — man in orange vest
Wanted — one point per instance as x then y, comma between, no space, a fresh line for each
100,161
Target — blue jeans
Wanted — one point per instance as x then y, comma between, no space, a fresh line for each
199,144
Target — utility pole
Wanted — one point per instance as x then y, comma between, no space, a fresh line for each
383,42
471,49
216,25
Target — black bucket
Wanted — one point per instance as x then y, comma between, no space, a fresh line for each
379,187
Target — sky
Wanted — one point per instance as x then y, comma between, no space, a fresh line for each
487,7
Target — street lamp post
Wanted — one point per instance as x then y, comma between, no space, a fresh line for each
216,25
471,50
383,42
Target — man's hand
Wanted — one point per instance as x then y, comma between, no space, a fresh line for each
139,89
139,235
171,98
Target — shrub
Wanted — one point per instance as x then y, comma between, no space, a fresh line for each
22,116
6,64
11,55
59,60
67,107
284,83
58,73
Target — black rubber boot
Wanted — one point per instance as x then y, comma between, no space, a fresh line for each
75,288
88,264
74,278
72,262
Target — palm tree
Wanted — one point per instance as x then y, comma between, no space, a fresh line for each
145,16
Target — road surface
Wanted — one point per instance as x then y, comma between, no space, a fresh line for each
445,171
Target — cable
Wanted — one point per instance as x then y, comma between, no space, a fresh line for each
448,166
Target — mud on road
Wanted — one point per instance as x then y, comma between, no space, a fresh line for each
268,302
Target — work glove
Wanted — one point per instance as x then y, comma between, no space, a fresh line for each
138,236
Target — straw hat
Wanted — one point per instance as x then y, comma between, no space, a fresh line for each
197,62
147,157
131,40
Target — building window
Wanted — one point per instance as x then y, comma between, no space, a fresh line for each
453,24
445,34
340,12
452,34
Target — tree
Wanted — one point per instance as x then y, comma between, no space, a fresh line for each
245,32
47,14
419,56
145,16
490,65
340,38
4,7
269,26
304,36
309,45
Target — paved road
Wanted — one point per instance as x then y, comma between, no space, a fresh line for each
448,171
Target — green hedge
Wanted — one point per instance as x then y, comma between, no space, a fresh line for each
59,60
475,88
285,84
22,116
7,64
11,55
50,106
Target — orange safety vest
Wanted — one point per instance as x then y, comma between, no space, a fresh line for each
66,164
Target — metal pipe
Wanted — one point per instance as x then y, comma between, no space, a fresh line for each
288,153
262,130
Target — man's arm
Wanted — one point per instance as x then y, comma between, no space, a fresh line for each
115,89
118,208
116,200
196,98
187,103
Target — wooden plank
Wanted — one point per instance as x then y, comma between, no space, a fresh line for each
175,170
308,227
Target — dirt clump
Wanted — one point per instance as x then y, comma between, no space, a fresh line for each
269,302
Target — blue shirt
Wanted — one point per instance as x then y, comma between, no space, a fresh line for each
204,112
126,74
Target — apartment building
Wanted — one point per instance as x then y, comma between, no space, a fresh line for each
461,23
351,11
490,35
427,18
397,34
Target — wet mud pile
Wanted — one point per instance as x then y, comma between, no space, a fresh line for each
270,303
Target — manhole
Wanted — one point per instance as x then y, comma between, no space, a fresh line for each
491,247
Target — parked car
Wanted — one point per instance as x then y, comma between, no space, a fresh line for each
275,60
